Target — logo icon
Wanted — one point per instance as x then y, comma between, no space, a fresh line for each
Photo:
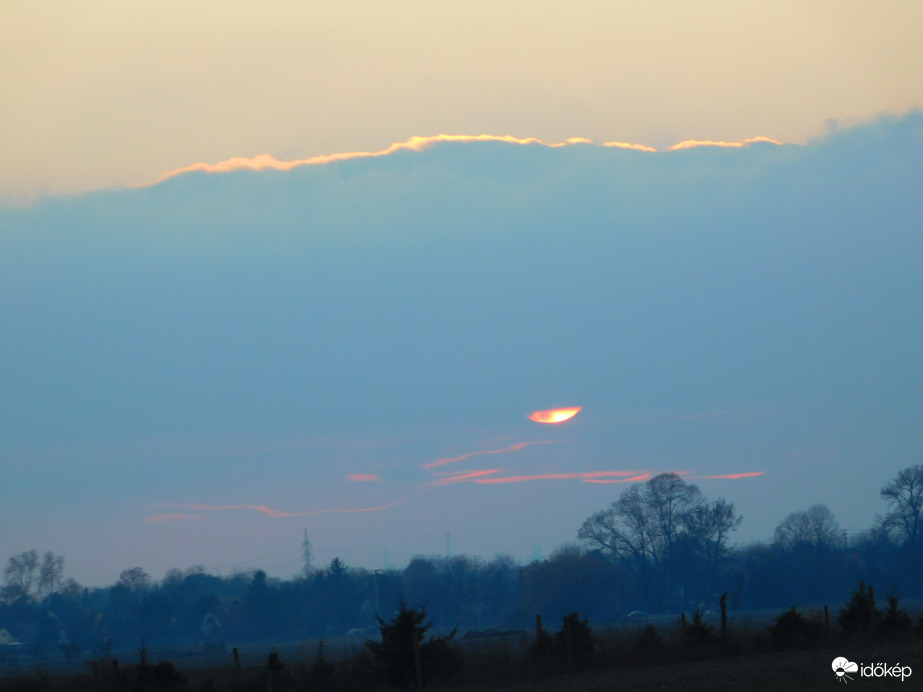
842,666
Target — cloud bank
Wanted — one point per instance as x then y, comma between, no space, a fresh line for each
451,286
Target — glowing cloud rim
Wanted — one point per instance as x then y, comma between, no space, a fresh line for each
419,143
555,415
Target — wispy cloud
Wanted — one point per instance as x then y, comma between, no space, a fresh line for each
465,477
170,516
626,145
692,143
363,477
633,479
278,513
575,475
442,461
733,476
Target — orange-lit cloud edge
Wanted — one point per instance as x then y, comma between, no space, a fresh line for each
555,415
418,143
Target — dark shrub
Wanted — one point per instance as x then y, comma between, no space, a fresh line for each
699,630
895,621
396,648
860,614
649,644
580,635
791,629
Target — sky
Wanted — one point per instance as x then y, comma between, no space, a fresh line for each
248,290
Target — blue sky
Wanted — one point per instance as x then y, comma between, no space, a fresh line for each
195,371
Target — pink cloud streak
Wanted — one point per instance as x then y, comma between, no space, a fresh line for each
363,477
464,477
513,448
577,475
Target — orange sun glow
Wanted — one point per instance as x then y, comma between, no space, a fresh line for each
555,415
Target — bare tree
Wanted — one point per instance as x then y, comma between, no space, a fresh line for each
51,574
20,575
25,577
904,496
644,527
817,529
710,526
135,579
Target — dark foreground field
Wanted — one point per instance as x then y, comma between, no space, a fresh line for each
805,669
792,670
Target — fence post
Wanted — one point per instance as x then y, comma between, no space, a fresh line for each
568,642
724,614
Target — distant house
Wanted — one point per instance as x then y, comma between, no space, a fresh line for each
8,646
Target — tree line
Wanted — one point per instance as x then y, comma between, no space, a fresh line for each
661,547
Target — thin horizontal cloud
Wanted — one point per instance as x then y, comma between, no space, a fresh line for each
461,457
626,145
363,477
465,477
265,161
692,143
633,479
732,476
277,513
170,516
576,475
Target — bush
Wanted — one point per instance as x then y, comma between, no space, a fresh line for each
860,614
396,648
320,675
699,630
792,629
580,634
894,621
650,644
165,676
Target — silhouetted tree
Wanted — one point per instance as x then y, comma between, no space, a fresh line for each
657,528
135,579
809,543
860,614
816,529
791,629
20,576
396,648
904,519
895,621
